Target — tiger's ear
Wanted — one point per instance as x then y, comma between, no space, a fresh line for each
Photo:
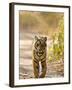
45,38
36,38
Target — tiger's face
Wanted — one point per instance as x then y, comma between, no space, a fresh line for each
40,45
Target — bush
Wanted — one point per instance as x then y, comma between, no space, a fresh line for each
56,51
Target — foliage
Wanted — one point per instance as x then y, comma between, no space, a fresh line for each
56,51
28,21
51,18
40,22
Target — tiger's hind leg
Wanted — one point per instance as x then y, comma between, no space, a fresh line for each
43,64
36,68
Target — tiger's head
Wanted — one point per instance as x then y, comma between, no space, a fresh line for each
40,45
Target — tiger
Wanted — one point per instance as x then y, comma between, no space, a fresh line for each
39,56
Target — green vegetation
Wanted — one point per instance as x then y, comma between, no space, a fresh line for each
56,51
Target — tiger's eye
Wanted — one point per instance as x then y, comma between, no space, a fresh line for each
37,45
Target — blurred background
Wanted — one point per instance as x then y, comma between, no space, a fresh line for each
49,24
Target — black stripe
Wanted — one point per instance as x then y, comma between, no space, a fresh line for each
42,61
35,61
35,58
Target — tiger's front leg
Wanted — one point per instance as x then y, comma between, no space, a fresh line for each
44,68
36,68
